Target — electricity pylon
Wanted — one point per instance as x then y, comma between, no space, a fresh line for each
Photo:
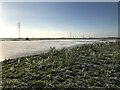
19,30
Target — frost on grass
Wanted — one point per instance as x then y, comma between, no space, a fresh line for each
88,66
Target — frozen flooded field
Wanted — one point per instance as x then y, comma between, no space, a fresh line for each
13,49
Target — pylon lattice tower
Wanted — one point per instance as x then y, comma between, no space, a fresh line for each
19,30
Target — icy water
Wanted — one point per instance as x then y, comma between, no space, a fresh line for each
13,49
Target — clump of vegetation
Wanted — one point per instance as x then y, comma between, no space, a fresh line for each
27,38
88,66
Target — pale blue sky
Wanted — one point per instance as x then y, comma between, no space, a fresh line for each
58,19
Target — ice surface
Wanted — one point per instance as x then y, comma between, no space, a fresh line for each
13,49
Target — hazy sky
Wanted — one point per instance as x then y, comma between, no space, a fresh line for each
58,19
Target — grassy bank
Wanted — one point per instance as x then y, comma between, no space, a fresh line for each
87,66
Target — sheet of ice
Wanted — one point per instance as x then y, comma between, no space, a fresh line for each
1,50
13,49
